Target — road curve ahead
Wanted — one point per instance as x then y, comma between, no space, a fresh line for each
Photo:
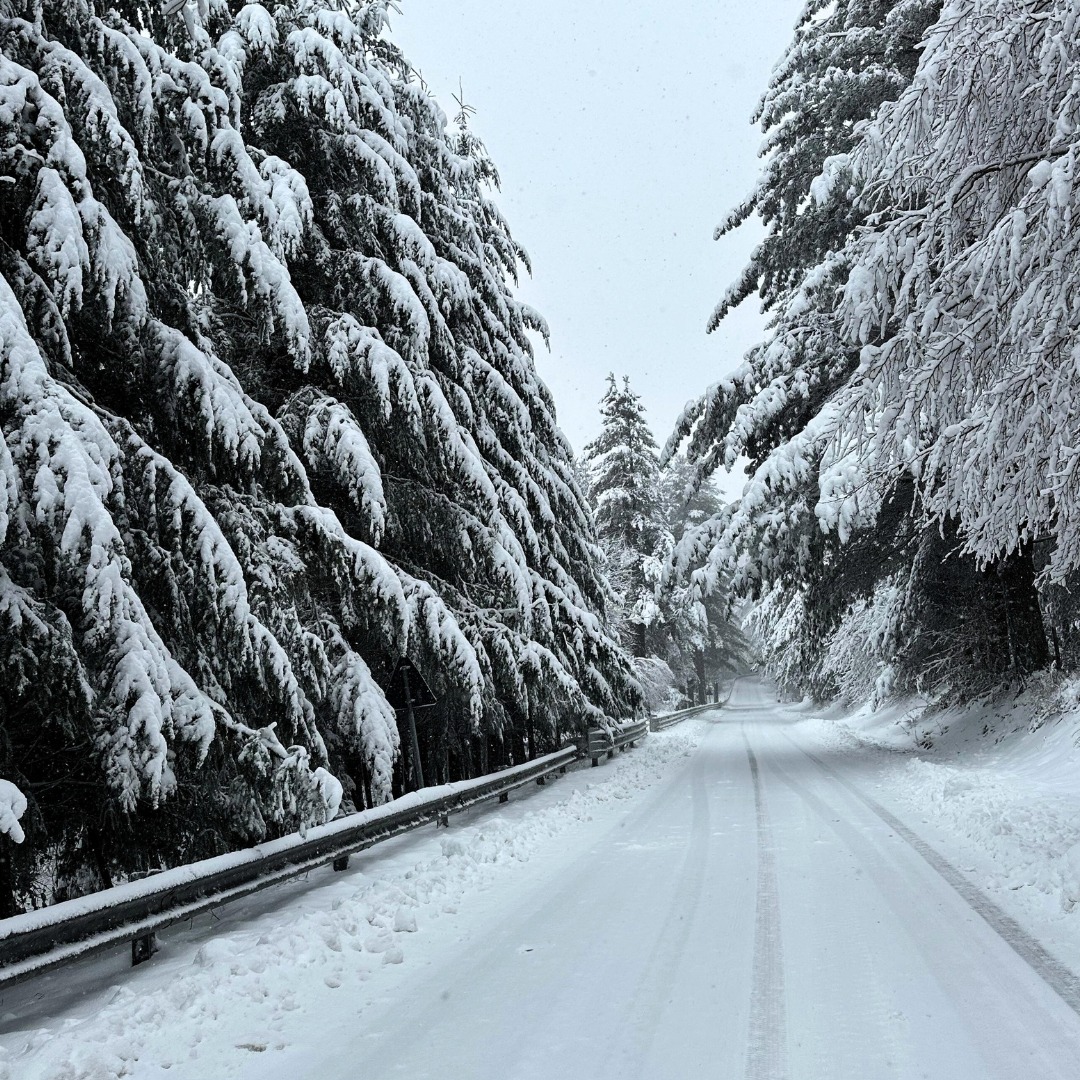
758,916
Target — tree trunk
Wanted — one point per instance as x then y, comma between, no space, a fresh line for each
699,667
7,880
1022,614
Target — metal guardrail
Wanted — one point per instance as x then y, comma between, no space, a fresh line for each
618,737
37,941
658,723
666,720
133,912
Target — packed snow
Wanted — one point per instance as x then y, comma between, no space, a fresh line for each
997,782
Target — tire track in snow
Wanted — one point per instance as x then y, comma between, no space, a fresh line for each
1063,981
874,1025
661,972
766,1055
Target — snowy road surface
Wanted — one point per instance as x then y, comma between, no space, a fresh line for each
752,918
755,914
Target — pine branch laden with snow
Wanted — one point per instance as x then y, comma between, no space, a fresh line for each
844,61
846,58
271,421
962,293
812,487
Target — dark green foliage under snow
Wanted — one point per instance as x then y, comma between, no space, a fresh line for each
271,423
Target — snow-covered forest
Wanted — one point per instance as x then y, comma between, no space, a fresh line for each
272,424
684,639
330,667
911,518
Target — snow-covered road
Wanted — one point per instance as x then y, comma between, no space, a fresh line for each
754,917
732,902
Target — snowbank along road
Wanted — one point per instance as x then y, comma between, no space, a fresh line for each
732,901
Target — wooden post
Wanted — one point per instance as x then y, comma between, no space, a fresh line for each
414,744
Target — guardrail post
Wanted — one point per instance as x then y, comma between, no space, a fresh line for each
341,862
541,780
504,796
142,948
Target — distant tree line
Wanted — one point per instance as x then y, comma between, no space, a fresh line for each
684,639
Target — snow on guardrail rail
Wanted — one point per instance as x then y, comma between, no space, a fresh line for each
37,941
618,737
666,720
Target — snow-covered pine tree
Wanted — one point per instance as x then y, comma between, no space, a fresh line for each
705,643
422,351
141,671
962,293
815,527
255,322
845,60
622,463
675,632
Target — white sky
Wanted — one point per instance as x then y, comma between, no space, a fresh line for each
622,135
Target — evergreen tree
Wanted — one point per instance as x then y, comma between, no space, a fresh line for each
622,463
961,296
846,58
271,423
641,513
699,615
817,530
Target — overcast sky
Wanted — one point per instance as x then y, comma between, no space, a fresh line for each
622,134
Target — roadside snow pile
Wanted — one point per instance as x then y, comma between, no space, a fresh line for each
1000,780
1031,835
902,725
249,989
